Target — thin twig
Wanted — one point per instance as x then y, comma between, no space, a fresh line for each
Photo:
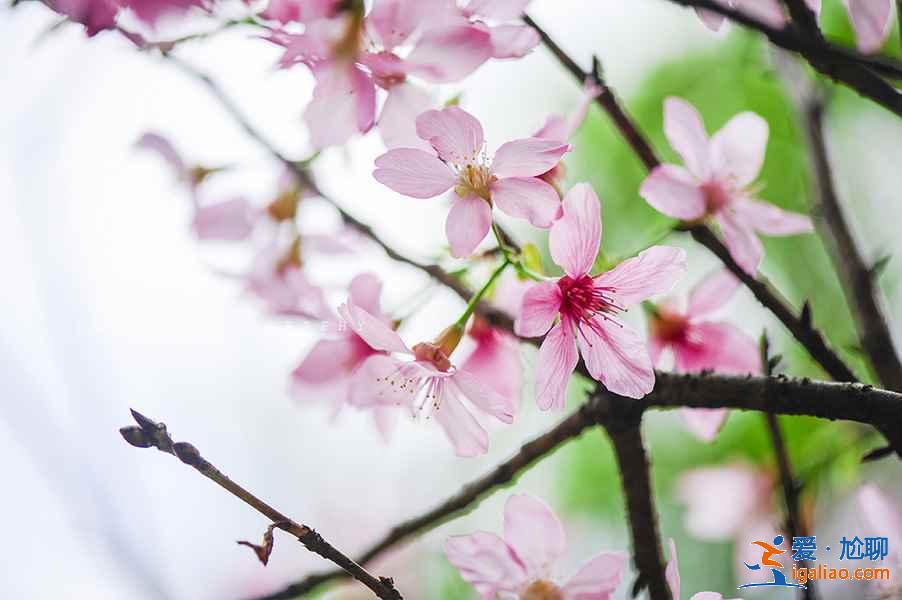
852,69
859,283
150,434
626,437
778,395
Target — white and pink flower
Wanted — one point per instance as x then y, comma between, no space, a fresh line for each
578,313
423,380
699,343
519,564
511,180
716,181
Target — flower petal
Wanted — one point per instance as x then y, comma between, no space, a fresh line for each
686,133
672,571
527,198
740,239
597,578
326,361
576,237
484,397
712,20
232,220
496,361
528,157
652,272
392,22
675,192
385,419
872,22
414,173
372,329
157,143
769,12
712,292
497,10
450,53
468,222
454,133
397,121
707,596
533,532
721,347
486,562
513,41
704,423
879,511
541,304
714,511
372,383
617,356
556,362
364,291
771,220
462,429
738,149
344,103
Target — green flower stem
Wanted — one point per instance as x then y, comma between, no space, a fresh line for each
471,305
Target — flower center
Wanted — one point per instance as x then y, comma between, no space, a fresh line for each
474,179
542,590
668,327
717,197
583,302
433,354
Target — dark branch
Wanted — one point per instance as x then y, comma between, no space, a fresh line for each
779,395
852,69
626,437
859,285
150,434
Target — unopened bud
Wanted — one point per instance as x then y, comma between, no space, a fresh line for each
135,436
187,453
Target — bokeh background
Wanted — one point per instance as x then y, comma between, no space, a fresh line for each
109,302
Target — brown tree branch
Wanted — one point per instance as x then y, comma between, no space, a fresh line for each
779,395
626,437
150,434
859,285
849,68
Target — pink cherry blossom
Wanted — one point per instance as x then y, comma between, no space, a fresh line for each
672,572
429,384
329,367
458,161
699,343
615,354
151,11
518,565
230,220
277,279
351,54
501,18
716,181
872,21
769,12
95,15
300,11
495,360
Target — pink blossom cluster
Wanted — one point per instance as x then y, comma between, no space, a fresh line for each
871,19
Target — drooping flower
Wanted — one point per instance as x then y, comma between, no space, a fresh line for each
510,180
699,343
501,18
581,310
495,360
428,385
329,367
519,564
672,572
716,180
350,54
276,277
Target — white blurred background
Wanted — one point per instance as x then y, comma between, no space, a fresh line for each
109,303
